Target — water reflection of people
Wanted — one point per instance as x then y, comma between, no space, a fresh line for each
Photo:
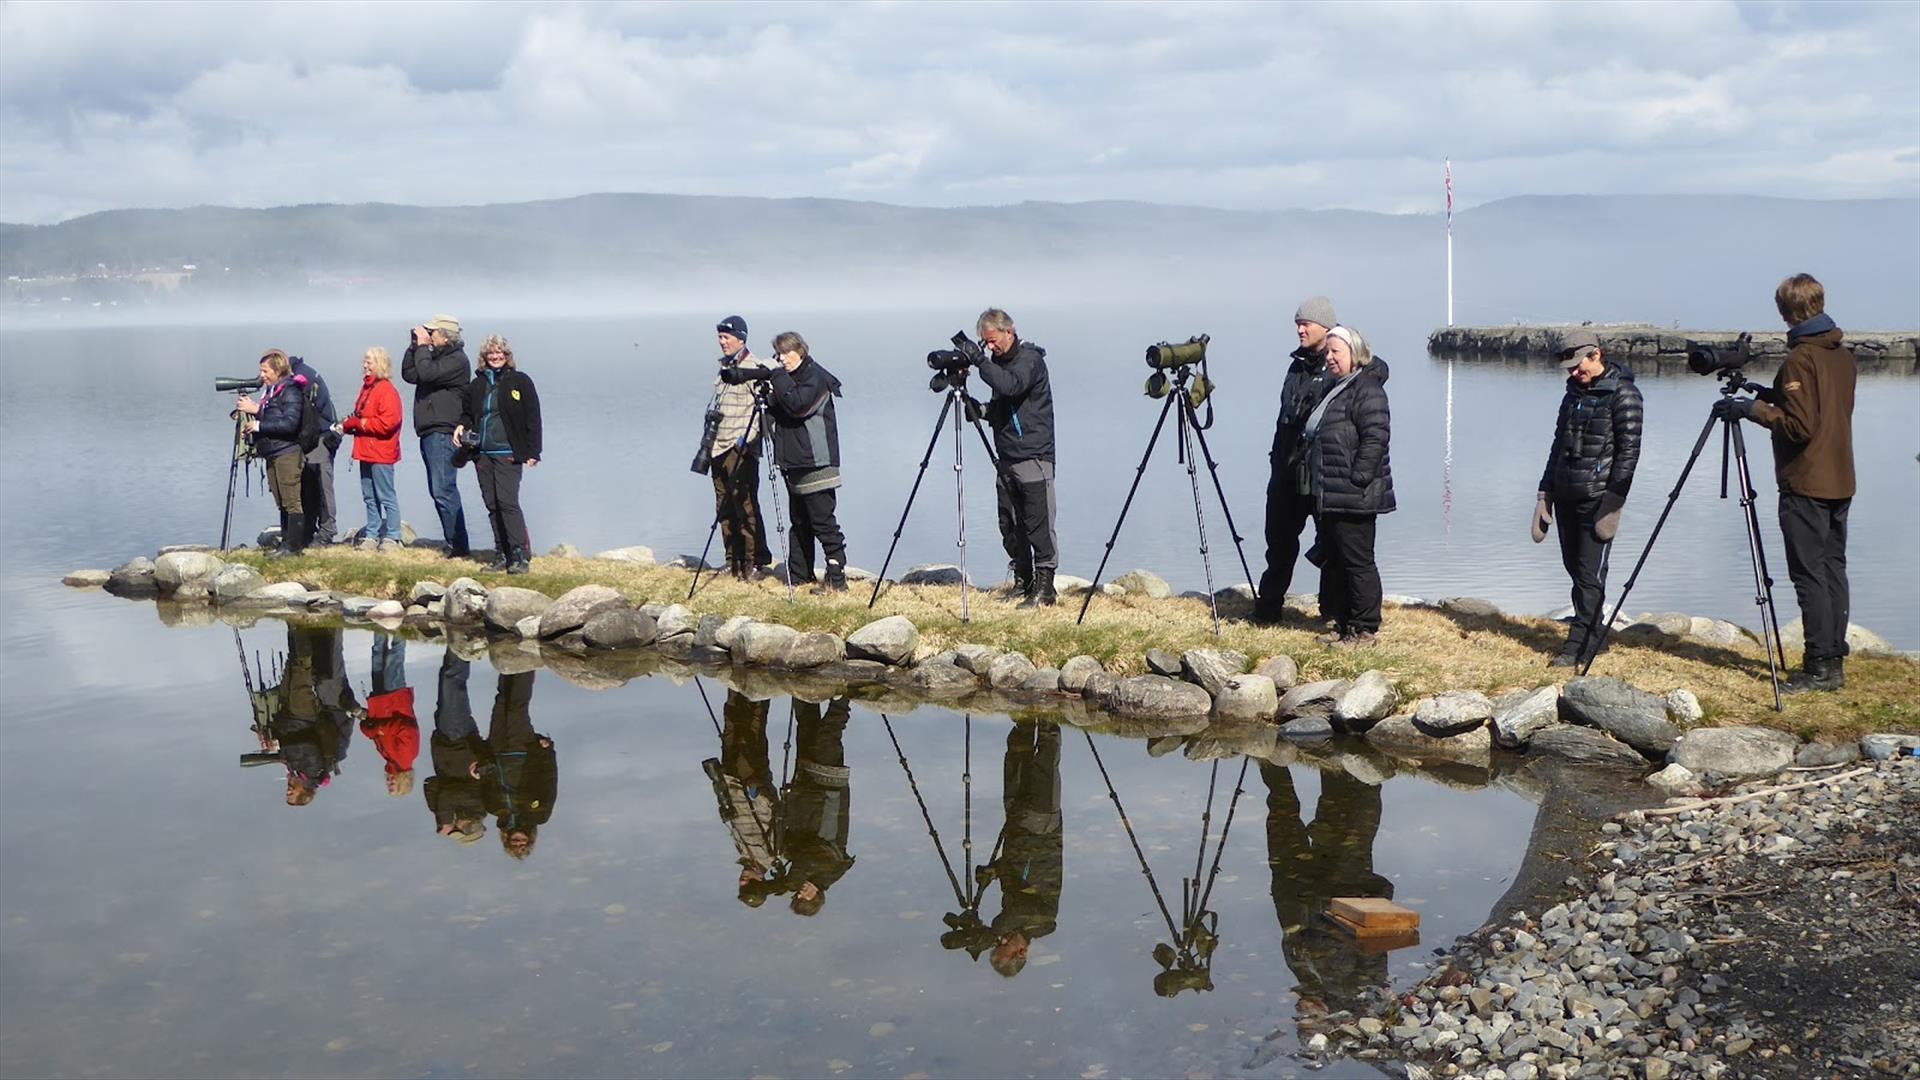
818,811
518,772
314,722
1029,864
1311,864
743,784
389,722
453,794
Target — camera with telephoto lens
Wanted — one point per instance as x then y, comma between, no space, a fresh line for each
950,365
1704,358
703,457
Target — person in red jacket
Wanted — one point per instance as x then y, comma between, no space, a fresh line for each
389,721
375,427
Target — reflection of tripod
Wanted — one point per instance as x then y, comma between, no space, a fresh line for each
240,460
265,710
1182,402
775,478
965,929
1733,445
964,410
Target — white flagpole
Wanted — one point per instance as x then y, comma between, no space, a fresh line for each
1449,241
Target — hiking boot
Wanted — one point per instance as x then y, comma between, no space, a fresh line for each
1021,578
520,562
367,544
1365,639
1040,593
1569,657
1331,637
1816,674
501,560
389,546
836,581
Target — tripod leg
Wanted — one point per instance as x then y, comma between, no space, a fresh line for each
704,548
925,460
1597,635
1762,581
1186,426
1213,469
960,504
1138,472
233,475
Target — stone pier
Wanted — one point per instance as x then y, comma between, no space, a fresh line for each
1659,349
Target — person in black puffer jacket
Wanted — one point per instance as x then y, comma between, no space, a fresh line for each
806,446
1596,445
436,365
1288,508
500,406
1021,415
1350,477
276,431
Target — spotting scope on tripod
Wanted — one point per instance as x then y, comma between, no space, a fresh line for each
241,458
1727,364
1180,376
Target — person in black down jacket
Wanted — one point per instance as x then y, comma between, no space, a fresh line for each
276,430
518,771
1021,415
1289,508
1350,477
1596,444
436,365
806,446
500,406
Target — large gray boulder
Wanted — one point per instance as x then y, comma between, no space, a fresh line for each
674,620
279,592
1100,687
426,593
1403,734
508,604
932,574
1453,713
1283,670
386,611
1627,713
1368,701
1076,671
943,678
1044,680
1144,583
1307,729
133,578
1469,605
636,554
1162,662
576,606
1313,699
977,659
1247,697
465,601
812,650
1009,670
1584,745
1885,746
891,640
177,568
1862,641
1158,697
726,632
1210,669
1514,724
235,581
762,643
356,607
619,628
1735,753
87,579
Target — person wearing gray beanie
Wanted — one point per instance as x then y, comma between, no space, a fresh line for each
1288,510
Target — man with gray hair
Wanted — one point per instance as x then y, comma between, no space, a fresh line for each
1288,510
1021,415
436,364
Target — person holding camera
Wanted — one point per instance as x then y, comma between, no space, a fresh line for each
1289,506
374,424
1021,415
1809,410
1596,446
436,365
499,428
806,446
1345,441
275,427
734,452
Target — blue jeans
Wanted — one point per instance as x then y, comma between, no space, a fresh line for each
443,483
389,659
383,506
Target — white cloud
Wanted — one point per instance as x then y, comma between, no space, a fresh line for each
1243,105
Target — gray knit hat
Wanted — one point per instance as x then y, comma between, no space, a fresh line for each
1316,309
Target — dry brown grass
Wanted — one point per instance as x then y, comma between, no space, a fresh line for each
1424,650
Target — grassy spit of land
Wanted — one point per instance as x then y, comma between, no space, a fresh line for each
1424,650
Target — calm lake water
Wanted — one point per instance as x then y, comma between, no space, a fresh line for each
164,912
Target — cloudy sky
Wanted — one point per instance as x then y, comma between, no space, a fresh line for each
1250,106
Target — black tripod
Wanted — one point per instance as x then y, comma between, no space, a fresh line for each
240,460
964,410
1181,402
1733,447
776,477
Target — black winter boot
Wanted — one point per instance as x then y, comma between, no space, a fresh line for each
1812,673
520,561
835,582
1041,594
1022,578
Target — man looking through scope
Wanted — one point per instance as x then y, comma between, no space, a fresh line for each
1021,415
1809,410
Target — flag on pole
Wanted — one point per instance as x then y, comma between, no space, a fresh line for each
1449,196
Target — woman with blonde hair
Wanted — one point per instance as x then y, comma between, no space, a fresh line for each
500,428
374,424
1346,440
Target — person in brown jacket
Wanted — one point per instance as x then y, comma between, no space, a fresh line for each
1809,410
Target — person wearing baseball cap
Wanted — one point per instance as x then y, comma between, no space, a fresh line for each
1288,511
1596,445
436,365
735,452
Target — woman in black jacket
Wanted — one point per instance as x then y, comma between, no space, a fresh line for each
806,446
1351,481
500,429
276,441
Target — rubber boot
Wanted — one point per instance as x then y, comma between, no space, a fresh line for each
1041,594
294,540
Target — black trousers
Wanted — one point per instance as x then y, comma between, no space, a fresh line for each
1585,557
1288,512
1349,580
1816,535
500,489
1026,499
813,520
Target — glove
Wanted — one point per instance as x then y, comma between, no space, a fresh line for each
1542,517
734,376
1733,408
1608,523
